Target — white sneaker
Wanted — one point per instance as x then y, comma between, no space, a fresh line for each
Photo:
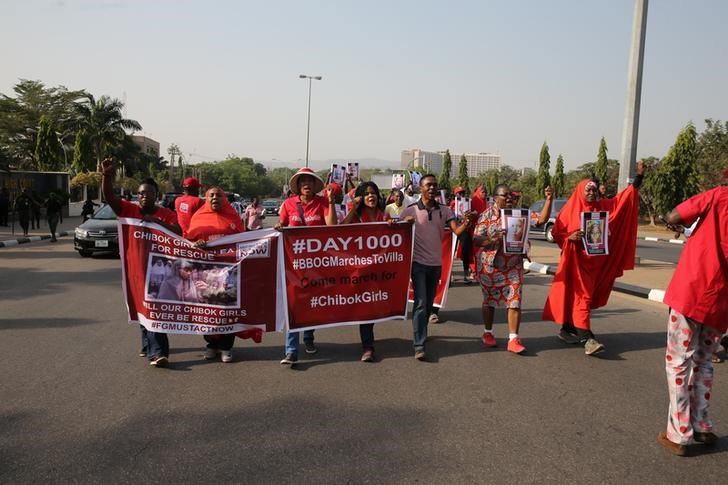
210,354
433,318
227,355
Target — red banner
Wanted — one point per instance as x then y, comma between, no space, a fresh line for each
449,243
349,274
172,287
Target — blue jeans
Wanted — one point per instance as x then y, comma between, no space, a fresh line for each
155,344
424,284
292,340
366,332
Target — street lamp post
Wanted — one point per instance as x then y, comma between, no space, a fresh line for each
308,124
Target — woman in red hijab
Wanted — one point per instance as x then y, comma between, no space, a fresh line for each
582,282
217,218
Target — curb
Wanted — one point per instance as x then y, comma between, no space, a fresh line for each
658,239
653,294
24,240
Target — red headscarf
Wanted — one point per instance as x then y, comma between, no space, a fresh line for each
209,224
583,282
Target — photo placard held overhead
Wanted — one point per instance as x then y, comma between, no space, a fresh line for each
462,205
352,168
515,222
595,226
398,181
338,174
415,178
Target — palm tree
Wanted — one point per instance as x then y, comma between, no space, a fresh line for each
104,123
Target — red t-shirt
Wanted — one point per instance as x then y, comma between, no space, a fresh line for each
699,286
130,209
186,205
314,212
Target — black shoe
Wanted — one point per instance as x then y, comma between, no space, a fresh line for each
568,337
159,361
310,347
289,359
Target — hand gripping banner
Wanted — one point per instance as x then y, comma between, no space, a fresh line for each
346,275
231,285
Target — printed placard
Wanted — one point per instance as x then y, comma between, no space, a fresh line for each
515,222
415,178
595,226
352,168
462,206
338,174
398,181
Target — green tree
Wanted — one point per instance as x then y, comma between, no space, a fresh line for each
463,178
444,182
492,181
83,158
104,123
526,185
677,178
648,194
712,152
47,147
544,164
558,181
600,166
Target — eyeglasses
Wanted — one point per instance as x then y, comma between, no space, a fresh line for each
508,194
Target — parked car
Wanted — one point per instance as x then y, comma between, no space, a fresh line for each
99,233
535,211
271,207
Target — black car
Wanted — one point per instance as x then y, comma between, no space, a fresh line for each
99,233
271,207
535,211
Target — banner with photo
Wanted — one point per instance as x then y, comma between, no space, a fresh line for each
346,275
516,223
230,286
595,227
449,244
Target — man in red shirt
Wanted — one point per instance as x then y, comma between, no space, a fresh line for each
305,208
187,204
698,300
155,345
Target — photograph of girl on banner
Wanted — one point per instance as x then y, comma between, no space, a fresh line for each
215,219
367,208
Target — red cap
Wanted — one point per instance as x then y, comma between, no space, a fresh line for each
191,182
458,189
336,188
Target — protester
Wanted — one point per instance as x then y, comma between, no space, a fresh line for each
216,218
22,207
53,213
367,208
341,208
254,214
430,219
88,209
4,206
305,208
698,299
394,209
187,204
582,282
465,240
155,345
501,275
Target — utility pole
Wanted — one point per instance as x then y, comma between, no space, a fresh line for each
631,122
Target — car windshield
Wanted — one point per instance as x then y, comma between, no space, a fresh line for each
270,203
104,213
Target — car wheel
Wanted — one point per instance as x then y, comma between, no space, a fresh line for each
549,234
85,253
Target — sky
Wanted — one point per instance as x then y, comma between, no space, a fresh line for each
221,77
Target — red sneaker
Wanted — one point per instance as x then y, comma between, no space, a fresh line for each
489,340
516,346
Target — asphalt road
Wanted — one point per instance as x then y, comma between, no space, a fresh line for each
656,251
79,406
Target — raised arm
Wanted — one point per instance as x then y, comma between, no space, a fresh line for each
546,211
107,188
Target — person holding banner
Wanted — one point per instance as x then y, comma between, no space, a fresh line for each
186,205
584,282
367,208
215,219
501,274
430,219
155,345
698,299
305,208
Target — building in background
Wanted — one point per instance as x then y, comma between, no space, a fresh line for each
424,161
148,146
